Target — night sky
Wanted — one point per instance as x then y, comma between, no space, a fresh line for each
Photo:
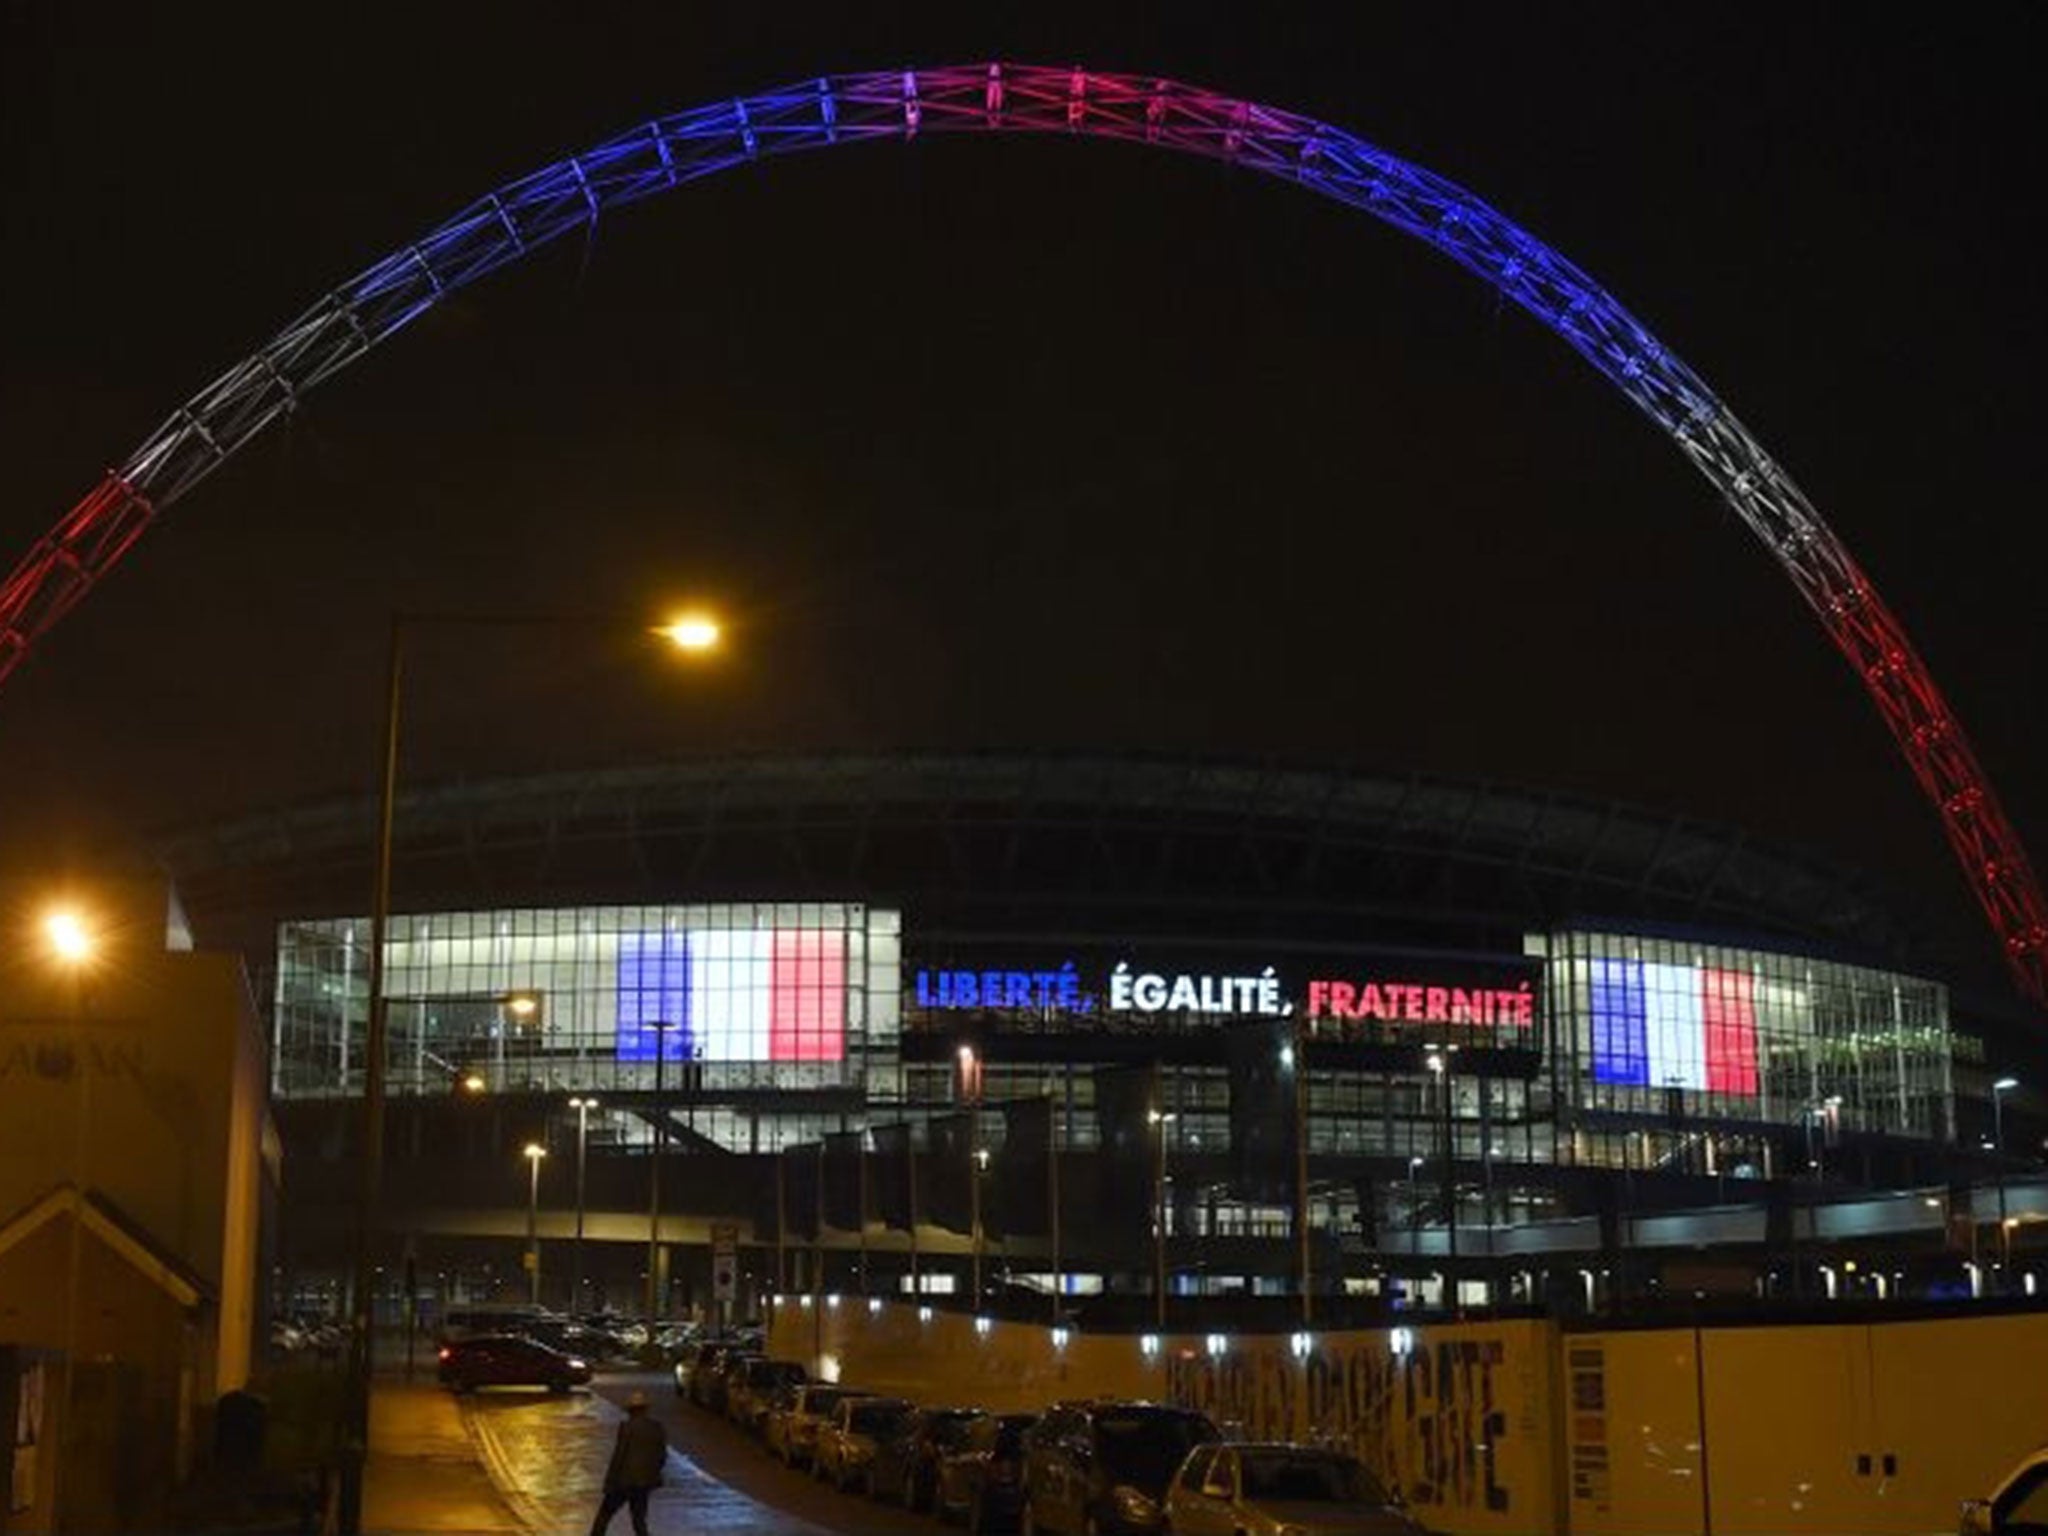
1006,444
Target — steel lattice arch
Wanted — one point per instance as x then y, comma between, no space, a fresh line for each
524,215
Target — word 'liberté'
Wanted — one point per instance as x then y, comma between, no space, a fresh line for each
1059,989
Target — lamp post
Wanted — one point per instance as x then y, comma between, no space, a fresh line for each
661,1027
1159,1120
72,946
583,1105
1999,1090
1439,1064
533,1153
1414,1208
689,633
969,1094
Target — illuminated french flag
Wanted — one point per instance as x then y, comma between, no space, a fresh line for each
1673,1026
732,994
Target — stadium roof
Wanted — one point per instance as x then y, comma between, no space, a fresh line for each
1030,842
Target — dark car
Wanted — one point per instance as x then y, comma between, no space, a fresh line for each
1104,1467
749,1393
906,1468
507,1360
983,1481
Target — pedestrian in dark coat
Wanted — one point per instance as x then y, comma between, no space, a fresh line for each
635,1471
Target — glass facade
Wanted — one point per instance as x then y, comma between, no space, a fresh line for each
789,1020
1670,1027
745,997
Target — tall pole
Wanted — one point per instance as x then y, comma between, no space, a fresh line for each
1159,1225
583,1106
781,1230
974,1195
661,1027
916,1285
1052,1196
818,1218
534,1153
1295,1059
1999,1089
370,1161
861,1168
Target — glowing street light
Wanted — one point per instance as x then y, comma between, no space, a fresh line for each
70,940
692,632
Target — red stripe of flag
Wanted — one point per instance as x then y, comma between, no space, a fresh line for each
1728,1010
807,996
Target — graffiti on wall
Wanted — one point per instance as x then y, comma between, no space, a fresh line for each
1430,1420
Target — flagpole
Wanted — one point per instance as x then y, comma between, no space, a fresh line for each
1052,1185
1299,1050
910,1158
974,1194
861,1165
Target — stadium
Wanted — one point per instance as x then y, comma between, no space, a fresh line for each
1112,1026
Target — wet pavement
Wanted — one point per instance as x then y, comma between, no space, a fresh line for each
547,1455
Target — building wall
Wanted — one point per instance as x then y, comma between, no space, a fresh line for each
140,1078
1523,1428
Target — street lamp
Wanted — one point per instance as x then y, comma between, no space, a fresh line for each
694,633
583,1105
1159,1120
533,1153
73,945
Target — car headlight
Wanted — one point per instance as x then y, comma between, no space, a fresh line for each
578,1365
1134,1507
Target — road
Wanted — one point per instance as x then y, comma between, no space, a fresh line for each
548,1454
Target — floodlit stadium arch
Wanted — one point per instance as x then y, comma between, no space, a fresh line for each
1004,98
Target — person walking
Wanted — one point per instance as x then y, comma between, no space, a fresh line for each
636,1466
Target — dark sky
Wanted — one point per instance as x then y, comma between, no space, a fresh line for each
1004,444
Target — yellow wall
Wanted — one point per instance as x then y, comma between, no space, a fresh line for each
1522,1429
140,1078
1459,1422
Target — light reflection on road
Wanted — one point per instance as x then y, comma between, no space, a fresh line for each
548,1456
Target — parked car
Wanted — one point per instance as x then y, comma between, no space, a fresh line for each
983,1481
467,1322
1270,1489
845,1451
1105,1467
697,1364
906,1468
749,1394
713,1388
794,1434
508,1360
2018,1506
